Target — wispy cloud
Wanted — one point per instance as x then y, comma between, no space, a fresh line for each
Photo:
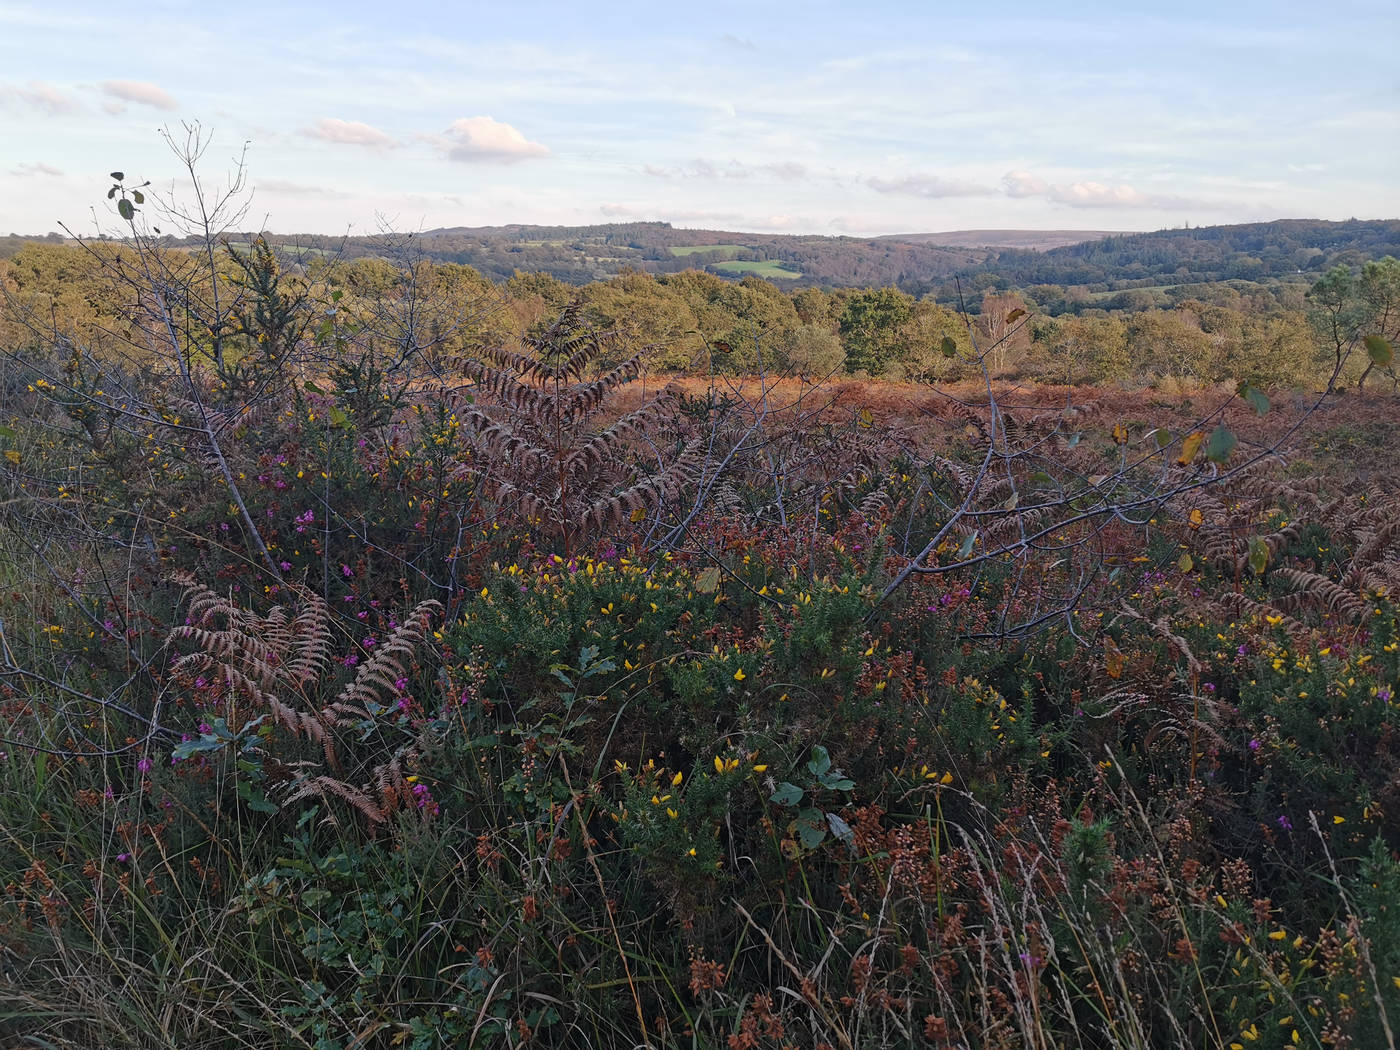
482,139
141,92
699,168
348,133
1090,194
40,96
930,187
288,188
37,168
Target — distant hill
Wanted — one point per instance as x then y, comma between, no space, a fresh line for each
1259,251
1295,250
1030,240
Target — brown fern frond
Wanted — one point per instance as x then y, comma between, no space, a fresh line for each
375,678
1311,588
324,787
310,658
593,452
583,398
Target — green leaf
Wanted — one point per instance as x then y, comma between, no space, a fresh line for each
117,175
138,196
1258,555
708,581
1220,445
821,760
1254,396
337,295
1379,348
949,348
8,432
111,193
337,417
1184,563
126,209
811,827
786,795
1162,436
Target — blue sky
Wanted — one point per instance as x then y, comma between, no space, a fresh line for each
800,117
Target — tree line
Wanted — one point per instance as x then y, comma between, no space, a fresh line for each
693,320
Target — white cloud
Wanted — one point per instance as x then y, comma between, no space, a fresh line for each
348,133
699,168
1090,194
40,96
931,187
1097,195
472,139
142,92
288,188
1023,184
37,168
614,210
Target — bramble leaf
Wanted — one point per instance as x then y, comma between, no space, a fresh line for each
786,795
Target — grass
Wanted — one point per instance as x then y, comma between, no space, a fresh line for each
767,268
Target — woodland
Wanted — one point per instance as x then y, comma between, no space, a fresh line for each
397,652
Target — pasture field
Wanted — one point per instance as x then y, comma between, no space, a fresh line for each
769,269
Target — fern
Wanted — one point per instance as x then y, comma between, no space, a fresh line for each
279,665
538,449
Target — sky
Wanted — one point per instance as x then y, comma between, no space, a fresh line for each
803,117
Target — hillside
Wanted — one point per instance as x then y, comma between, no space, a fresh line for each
1031,240
1250,252
919,263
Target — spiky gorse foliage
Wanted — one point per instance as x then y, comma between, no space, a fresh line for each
540,451
276,669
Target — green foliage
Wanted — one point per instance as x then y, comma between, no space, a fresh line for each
870,329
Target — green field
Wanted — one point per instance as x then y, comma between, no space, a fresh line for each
767,268
695,249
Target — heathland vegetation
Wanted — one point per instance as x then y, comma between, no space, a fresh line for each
400,653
